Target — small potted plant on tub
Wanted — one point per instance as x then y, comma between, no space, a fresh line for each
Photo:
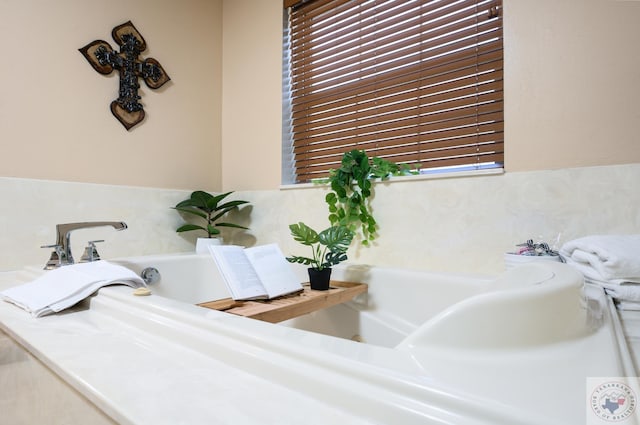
211,208
328,248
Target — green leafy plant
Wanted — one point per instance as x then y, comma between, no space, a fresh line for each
329,247
349,200
211,209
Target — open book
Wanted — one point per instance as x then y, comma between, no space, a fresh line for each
259,272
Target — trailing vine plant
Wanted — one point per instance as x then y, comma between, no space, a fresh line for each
351,190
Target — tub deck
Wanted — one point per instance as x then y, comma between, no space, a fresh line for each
518,349
290,306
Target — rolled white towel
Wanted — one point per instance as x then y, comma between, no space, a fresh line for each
609,258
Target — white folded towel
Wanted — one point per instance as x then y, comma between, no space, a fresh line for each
63,287
628,305
625,291
612,259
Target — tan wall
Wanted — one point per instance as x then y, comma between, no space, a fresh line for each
571,83
571,87
55,121
55,124
571,90
252,94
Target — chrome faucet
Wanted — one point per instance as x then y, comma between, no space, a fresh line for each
62,249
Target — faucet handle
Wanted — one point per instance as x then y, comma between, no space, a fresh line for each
90,252
57,258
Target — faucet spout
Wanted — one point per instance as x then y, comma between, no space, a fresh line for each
63,235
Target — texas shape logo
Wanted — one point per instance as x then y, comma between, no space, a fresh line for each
613,401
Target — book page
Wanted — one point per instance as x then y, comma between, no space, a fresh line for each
274,270
237,272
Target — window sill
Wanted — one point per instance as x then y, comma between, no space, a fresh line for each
427,176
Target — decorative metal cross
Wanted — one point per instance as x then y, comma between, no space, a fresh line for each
104,59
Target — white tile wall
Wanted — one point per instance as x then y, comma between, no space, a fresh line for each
451,225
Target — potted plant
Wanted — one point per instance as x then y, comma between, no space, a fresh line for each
211,208
328,248
351,191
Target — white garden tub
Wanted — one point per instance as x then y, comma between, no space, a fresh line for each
532,305
437,349
386,315
518,339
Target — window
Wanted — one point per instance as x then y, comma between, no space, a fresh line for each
412,81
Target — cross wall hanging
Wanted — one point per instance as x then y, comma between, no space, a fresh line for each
104,59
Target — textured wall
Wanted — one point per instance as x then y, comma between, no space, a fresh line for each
452,225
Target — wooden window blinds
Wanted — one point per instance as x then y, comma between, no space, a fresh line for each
412,81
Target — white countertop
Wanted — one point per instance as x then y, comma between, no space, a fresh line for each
151,360
138,378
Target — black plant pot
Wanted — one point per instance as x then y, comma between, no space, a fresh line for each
319,279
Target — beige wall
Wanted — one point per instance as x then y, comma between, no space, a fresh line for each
571,87
252,94
571,83
55,121
56,125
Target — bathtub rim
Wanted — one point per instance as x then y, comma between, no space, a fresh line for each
111,296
